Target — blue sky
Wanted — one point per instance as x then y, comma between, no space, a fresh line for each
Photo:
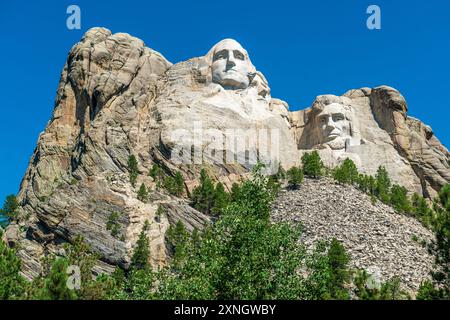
304,48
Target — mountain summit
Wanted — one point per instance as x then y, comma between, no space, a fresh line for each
120,102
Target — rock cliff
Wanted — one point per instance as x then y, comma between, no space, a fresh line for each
117,98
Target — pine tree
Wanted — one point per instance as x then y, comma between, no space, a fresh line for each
372,185
421,209
295,177
439,289
178,238
133,169
338,261
179,184
142,193
139,260
313,166
389,290
235,190
427,291
362,183
79,253
243,255
10,207
383,184
203,195
281,173
12,284
56,282
399,199
442,227
273,184
159,213
221,199
169,184
346,173
174,185
157,174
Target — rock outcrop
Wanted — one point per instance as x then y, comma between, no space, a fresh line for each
117,98
375,130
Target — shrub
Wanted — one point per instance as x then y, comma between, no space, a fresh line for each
133,169
281,173
159,212
79,253
142,193
295,177
442,228
346,173
179,183
113,223
174,185
428,291
313,166
389,290
399,199
273,184
157,173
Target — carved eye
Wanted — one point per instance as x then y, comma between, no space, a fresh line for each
238,55
338,117
220,55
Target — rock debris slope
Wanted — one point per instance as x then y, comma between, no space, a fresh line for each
376,237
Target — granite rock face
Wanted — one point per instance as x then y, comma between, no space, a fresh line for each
413,139
78,175
376,130
117,98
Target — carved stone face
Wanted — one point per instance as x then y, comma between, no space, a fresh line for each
230,65
333,125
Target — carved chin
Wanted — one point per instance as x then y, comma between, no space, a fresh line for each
233,83
231,80
336,144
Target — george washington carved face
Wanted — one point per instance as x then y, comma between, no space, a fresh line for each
230,65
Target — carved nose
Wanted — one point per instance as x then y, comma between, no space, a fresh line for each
230,60
330,123
230,63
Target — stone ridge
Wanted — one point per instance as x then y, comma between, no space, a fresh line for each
117,98
375,236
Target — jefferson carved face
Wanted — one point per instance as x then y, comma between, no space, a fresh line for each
333,124
231,66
